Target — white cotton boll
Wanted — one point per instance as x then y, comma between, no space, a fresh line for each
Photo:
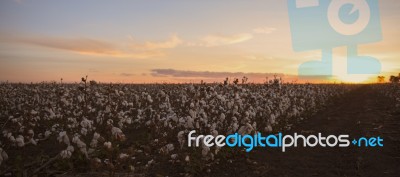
12,139
214,133
268,128
93,143
181,138
107,145
272,119
3,156
246,129
121,124
110,122
235,126
8,135
189,123
62,137
174,156
33,112
65,154
85,123
21,129
187,158
170,147
182,121
108,109
5,134
81,145
167,148
117,133
222,117
123,156
150,162
84,131
32,141
30,132
70,148
96,136
47,134
149,99
128,121
54,127
20,141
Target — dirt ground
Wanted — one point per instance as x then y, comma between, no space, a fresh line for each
360,113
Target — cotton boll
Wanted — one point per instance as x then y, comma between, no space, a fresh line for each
65,154
110,122
222,117
47,134
174,156
189,123
108,145
246,129
5,133
84,131
94,141
123,156
12,139
70,148
118,134
20,141
149,99
33,112
31,133
167,148
62,137
3,156
32,141
181,138
268,128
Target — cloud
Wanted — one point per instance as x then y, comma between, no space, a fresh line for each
221,39
207,74
264,30
127,74
87,46
79,45
172,42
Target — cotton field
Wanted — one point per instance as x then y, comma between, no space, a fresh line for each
124,128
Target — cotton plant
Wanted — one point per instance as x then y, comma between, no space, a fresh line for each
88,119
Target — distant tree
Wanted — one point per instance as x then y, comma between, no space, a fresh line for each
394,79
381,79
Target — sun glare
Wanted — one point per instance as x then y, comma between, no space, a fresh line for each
355,78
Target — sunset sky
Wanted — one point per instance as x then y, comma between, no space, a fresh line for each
163,41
